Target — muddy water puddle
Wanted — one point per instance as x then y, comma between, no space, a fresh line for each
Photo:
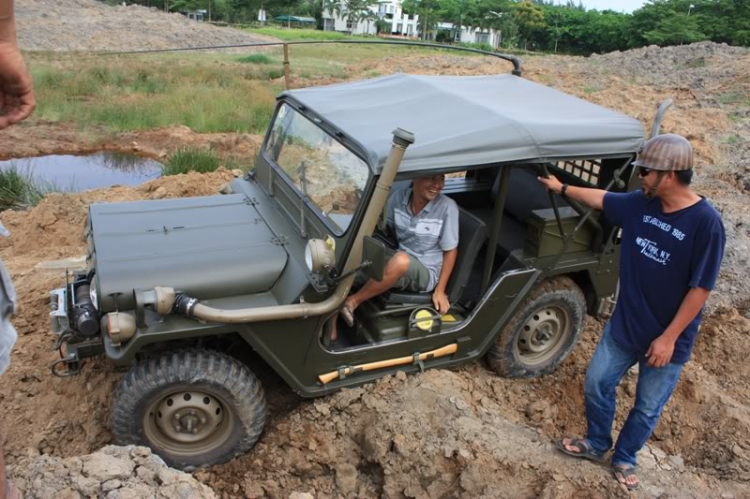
80,173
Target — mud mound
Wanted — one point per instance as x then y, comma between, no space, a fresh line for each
669,64
88,25
55,228
111,473
439,434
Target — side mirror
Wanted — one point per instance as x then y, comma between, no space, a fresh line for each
373,251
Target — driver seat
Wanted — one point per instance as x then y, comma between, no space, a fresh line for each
472,234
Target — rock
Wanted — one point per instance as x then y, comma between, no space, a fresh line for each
677,462
104,468
110,473
159,193
346,479
301,495
401,376
471,479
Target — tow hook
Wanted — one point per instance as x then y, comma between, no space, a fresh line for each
71,361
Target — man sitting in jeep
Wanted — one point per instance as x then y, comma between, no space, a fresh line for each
426,227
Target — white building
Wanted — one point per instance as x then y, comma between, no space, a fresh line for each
467,34
391,11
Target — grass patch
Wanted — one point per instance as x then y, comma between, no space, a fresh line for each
699,62
191,160
286,34
731,139
730,98
21,190
590,89
257,59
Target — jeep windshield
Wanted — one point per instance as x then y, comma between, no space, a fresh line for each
321,169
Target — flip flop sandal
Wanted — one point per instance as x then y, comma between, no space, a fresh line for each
348,315
585,451
622,472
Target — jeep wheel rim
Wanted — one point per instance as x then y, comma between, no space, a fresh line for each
188,422
543,335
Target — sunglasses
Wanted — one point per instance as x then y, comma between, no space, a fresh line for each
643,171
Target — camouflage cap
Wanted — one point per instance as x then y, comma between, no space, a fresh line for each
668,152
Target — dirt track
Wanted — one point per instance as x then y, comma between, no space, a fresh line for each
459,433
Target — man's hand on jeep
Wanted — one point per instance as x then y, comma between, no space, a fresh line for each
440,300
551,184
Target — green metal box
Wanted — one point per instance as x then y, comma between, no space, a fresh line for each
543,234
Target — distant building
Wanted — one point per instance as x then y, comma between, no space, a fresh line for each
468,34
391,11
196,15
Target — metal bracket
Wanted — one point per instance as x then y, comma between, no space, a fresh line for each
418,362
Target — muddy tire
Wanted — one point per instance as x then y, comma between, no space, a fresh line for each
193,408
542,332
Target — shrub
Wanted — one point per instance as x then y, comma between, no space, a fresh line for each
20,190
257,59
191,159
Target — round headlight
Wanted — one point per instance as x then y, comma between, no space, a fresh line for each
318,255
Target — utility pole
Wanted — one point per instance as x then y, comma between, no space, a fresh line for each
209,10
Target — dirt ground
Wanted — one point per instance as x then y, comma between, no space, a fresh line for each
458,433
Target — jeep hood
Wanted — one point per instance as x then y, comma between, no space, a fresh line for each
208,247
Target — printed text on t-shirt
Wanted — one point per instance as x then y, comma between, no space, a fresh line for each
649,249
677,233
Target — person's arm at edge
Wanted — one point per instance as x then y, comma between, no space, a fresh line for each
662,348
589,196
439,298
17,99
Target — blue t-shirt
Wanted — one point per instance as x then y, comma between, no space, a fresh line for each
663,255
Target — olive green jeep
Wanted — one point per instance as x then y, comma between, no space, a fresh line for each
182,292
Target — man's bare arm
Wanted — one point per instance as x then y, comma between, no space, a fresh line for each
662,348
439,298
588,196
17,99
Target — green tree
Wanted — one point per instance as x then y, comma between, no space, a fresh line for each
675,29
530,18
429,14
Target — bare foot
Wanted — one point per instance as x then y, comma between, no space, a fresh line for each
625,474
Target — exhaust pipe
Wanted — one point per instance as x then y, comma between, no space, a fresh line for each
191,307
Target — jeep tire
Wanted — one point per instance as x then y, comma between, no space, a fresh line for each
193,408
542,332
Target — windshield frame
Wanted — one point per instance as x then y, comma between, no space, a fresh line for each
349,144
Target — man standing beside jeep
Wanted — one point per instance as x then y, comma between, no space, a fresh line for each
426,226
672,247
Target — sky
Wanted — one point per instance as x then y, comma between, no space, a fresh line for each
617,5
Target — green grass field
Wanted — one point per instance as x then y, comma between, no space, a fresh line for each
208,92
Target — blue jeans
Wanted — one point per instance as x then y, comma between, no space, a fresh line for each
655,386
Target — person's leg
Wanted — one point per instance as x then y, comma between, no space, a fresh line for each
607,367
394,270
655,386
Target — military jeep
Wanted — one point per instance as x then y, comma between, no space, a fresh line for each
178,291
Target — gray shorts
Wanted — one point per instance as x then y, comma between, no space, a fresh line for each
415,280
